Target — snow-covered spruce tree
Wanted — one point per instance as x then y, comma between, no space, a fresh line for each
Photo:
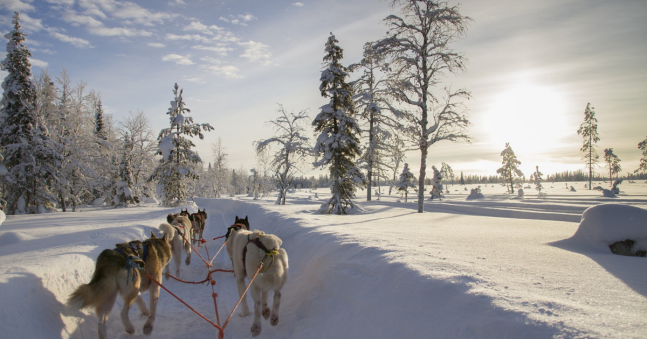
407,180
220,171
509,170
31,163
447,172
643,161
589,131
124,187
292,146
418,48
436,185
99,129
537,179
337,145
174,168
613,163
370,92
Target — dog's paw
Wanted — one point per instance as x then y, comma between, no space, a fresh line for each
266,312
243,314
188,261
130,329
274,320
166,276
148,328
256,330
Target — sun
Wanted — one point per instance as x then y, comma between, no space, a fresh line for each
531,118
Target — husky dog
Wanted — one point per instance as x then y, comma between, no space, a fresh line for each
239,224
197,220
249,249
180,232
115,272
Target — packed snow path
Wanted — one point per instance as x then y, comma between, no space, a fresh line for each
389,272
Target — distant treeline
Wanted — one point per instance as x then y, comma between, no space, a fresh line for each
470,179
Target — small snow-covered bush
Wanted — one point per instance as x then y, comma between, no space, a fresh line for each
520,193
475,194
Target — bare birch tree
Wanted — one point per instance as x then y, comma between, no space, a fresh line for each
418,46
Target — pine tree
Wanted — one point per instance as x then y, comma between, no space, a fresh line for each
407,180
99,129
613,163
174,169
462,180
30,162
509,169
338,143
643,161
436,185
447,172
589,131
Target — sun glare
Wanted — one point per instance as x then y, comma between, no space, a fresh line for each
531,118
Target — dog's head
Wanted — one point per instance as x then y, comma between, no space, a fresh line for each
195,218
171,216
242,221
184,212
203,213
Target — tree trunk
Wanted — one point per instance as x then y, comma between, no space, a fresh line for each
370,158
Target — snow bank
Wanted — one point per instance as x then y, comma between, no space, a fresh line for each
602,225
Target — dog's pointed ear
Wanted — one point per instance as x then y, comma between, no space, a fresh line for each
153,235
246,219
236,219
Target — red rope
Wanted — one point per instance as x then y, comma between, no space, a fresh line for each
220,329
214,257
241,297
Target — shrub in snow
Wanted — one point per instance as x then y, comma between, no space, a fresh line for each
573,189
537,179
475,193
605,225
407,180
436,185
337,145
520,193
615,189
608,193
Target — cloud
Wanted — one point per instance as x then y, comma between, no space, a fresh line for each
221,50
156,45
218,67
239,19
196,80
38,63
42,50
16,5
178,59
96,27
298,4
77,42
177,3
198,26
257,52
194,37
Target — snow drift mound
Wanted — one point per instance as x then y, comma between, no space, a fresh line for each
604,225
9,238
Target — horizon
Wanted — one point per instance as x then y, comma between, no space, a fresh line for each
532,70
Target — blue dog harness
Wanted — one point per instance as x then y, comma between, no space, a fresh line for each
133,261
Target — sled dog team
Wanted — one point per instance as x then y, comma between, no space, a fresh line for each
125,270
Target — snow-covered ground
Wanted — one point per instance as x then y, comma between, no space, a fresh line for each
498,267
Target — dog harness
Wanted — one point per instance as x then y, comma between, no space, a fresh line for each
235,227
268,253
135,253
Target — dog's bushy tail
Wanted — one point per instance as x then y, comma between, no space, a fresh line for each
167,229
84,296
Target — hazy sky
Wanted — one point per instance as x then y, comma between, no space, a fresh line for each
533,67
